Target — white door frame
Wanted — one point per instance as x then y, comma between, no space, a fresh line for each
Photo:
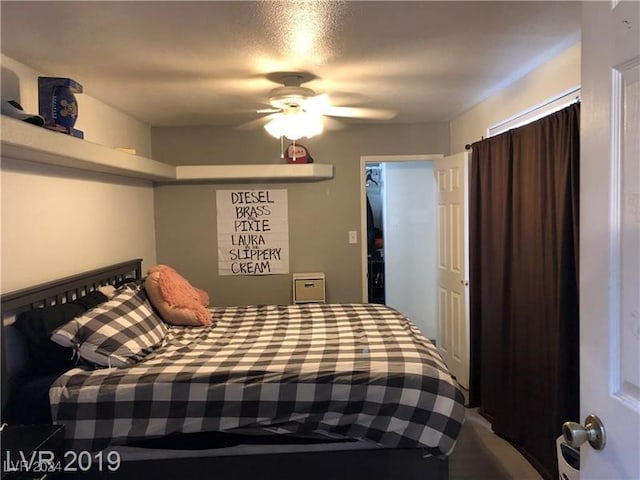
364,159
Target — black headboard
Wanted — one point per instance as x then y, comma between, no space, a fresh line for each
54,293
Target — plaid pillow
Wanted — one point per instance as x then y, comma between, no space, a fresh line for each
117,333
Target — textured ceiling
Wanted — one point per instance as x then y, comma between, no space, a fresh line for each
205,62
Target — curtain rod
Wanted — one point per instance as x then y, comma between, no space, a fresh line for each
559,97
533,109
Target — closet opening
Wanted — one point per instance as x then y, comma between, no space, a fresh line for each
398,219
374,182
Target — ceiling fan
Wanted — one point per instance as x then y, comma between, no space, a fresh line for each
296,111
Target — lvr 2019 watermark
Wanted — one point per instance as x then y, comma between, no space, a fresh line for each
45,461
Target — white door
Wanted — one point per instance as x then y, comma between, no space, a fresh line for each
610,236
453,253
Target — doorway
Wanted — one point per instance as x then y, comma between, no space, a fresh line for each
402,266
425,246
375,188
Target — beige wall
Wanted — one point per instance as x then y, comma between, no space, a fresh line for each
320,213
100,122
58,221
558,75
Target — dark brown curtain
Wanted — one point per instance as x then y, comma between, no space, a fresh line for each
524,283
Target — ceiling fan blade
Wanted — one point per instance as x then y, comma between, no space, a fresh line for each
253,124
320,104
329,123
317,104
357,112
268,110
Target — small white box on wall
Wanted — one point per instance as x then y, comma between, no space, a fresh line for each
308,287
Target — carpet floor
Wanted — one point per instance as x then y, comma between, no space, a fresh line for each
479,454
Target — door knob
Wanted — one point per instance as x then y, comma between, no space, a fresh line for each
592,431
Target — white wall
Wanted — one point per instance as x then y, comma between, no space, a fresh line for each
100,122
558,75
410,242
58,221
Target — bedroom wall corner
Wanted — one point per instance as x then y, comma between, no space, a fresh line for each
320,213
59,221
559,74
101,123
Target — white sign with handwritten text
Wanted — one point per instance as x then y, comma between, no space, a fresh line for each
253,232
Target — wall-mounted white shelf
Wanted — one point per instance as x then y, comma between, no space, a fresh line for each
261,172
23,141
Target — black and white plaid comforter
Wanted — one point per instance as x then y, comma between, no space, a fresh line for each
353,370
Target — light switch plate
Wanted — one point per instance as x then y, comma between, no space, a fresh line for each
353,236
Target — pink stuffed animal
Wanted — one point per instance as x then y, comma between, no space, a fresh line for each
177,301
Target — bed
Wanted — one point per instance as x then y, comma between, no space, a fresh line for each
266,391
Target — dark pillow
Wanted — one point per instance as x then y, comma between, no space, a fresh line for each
91,300
127,281
38,324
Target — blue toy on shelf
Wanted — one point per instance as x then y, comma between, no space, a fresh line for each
58,105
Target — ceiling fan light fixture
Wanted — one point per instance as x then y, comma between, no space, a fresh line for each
283,97
294,124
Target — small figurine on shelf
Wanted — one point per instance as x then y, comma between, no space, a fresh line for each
58,105
297,153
